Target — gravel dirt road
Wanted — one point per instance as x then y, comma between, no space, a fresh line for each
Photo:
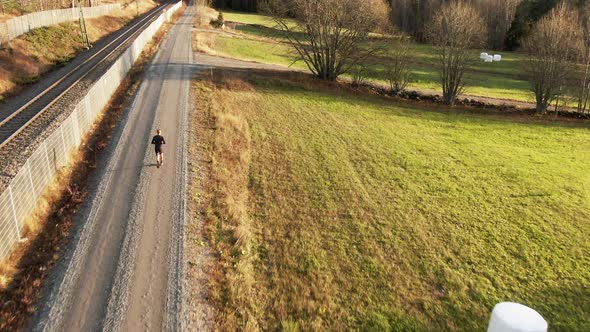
124,268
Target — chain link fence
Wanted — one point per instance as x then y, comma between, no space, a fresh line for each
19,200
22,24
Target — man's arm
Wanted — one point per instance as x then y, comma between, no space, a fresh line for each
163,141
154,140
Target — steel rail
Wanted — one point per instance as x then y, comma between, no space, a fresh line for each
132,32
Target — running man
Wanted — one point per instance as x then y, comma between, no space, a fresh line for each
158,141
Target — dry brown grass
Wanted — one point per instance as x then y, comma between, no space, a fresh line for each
204,42
198,253
48,228
226,211
204,16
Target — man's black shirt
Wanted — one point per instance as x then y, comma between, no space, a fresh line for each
158,140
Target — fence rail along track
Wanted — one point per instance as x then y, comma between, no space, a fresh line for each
12,123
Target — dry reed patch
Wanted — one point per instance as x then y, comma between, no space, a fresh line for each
204,42
198,252
226,209
48,228
235,84
205,15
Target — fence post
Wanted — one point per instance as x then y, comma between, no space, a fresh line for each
31,178
75,125
47,157
14,212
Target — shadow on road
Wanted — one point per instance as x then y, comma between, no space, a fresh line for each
134,167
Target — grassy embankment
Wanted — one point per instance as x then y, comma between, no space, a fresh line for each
25,59
502,80
331,209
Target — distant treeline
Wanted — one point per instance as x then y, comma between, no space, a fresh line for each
507,20
241,5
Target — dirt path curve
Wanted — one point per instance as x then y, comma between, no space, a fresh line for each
205,60
124,271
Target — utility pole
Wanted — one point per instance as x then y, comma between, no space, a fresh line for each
136,8
83,26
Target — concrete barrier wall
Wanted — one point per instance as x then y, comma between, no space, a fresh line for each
19,200
22,24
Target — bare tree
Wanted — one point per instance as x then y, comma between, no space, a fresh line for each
553,46
455,30
359,73
327,34
583,89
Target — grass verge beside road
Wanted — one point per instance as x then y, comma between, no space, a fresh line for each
334,209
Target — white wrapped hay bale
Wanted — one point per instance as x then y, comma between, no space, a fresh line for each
483,55
497,57
514,317
489,58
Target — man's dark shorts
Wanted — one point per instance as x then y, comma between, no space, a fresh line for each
159,150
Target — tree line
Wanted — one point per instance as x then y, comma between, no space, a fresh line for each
507,21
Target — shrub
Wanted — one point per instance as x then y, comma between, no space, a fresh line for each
219,22
399,74
359,74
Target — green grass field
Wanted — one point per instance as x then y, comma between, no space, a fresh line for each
342,211
503,80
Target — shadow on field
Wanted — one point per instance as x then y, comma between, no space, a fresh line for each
554,304
549,303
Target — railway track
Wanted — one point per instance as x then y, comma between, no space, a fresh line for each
13,122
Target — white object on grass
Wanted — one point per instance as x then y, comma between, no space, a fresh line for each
514,317
489,58
497,57
483,56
